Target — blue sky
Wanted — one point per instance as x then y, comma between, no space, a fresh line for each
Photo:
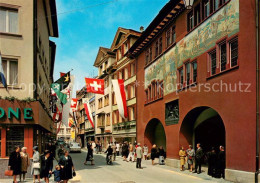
85,25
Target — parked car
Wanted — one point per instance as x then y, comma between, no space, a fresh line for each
74,147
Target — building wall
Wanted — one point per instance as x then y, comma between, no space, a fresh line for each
237,109
12,46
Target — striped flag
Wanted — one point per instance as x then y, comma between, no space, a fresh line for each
2,74
88,112
119,89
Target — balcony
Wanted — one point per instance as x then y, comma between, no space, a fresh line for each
125,125
89,129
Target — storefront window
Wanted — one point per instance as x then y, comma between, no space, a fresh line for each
14,137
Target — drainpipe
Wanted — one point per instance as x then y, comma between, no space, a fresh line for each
257,91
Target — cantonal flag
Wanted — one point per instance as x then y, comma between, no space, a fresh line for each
95,85
119,89
73,104
88,112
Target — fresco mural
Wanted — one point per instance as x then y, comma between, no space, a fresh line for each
224,23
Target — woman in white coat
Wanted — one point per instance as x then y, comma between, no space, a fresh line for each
35,164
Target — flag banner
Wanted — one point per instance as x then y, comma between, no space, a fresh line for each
70,122
2,74
119,89
73,104
95,85
56,88
64,81
89,112
75,118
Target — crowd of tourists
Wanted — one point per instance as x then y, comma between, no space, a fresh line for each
215,161
41,165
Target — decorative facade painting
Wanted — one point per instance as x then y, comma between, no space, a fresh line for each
223,23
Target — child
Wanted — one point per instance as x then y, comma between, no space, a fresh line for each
56,173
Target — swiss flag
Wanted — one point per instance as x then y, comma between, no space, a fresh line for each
73,104
95,85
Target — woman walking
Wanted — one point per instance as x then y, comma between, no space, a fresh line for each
67,167
36,164
46,166
15,163
25,160
145,151
182,155
190,156
153,153
90,154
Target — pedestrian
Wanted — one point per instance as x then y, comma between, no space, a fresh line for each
131,153
212,160
61,151
46,165
109,152
90,154
25,163
67,167
117,148
153,153
198,159
139,156
125,151
120,149
190,157
57,174
182,155
15,163
114,151
162,155
145,148
221,163
94,146
36,164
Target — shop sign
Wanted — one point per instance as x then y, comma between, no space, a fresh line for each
16,113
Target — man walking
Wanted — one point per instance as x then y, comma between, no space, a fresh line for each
114,151
139,155
198,159
221,163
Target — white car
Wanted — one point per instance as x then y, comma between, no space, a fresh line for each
74,147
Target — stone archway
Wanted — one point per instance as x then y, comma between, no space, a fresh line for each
155,134
203,125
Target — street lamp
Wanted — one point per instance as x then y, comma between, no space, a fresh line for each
188,4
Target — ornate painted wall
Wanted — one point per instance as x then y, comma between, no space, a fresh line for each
224,23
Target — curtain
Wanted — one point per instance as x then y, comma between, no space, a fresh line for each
2,20
13,21
13,74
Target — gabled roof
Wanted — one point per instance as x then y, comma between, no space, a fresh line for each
102,53
121,35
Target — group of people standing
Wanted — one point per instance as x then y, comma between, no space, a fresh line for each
216,162
41,166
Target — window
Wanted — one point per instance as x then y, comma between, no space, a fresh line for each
14,137
160,45
197,15
216,4
132,69
10,67
206,6
126,73
115,117
126,47
108,119
148,56
131,113
181,76
132,90
194,71
187,73
213,61
233,46
100,103
156,49
8,20
190,21
106,100
170,36
223,55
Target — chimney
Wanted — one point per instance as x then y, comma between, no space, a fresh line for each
141,29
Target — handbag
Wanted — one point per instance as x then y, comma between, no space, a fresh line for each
74,173
9,173
36,165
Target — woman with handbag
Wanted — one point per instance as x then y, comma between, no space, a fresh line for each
190,157
46,166
67,167
15,163
25,163
36,164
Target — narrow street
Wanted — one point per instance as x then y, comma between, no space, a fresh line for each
123,172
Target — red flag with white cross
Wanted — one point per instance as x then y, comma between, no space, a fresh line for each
73,104
95,85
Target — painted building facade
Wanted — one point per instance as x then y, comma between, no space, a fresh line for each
196,70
